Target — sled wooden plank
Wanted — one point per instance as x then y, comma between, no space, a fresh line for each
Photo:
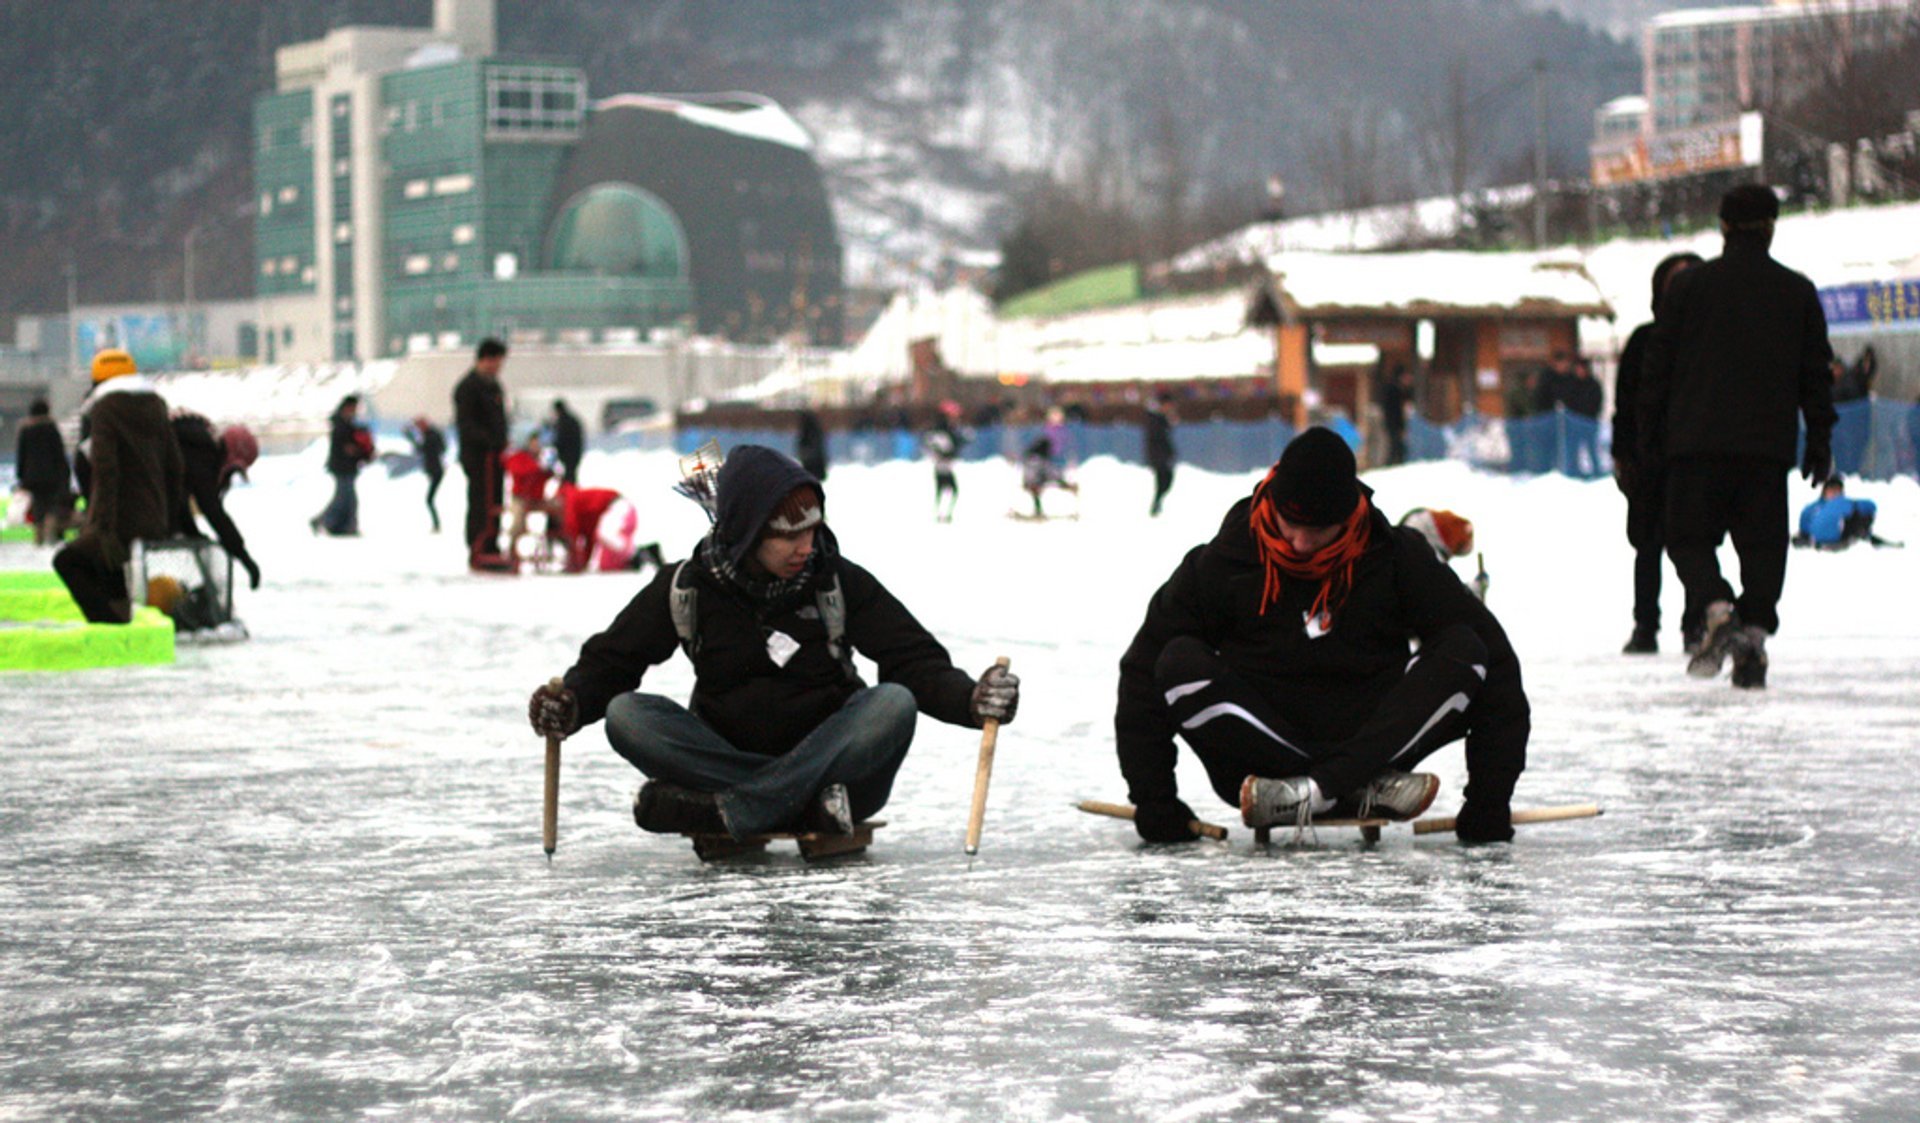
1369,828
1125,811
713,847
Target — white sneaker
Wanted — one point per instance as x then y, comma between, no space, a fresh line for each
1399,795
1265,802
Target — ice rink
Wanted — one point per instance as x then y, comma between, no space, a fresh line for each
301,877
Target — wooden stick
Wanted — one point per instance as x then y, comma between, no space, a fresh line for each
989,734
550,809
1123,811
1533,815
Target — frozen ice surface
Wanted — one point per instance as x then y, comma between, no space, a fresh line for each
300,876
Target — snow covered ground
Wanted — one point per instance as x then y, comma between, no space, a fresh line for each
301,876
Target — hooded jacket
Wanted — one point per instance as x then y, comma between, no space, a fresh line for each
202,459
755,704
1328,686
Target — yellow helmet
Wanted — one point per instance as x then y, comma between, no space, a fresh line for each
112,363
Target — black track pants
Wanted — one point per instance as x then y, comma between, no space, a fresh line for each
1708,500
1238,732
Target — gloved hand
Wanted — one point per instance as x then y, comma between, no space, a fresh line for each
553,712
1817,464
996,696
1484,821
1169,821
252,567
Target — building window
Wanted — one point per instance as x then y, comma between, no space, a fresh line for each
306,133
415,189
343,232
306,275
453,184
416,264
343,306
268,268
534,101
289,264
450,263
289,194
266,203
342,168
463,234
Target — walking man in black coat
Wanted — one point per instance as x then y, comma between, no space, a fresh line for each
1157,433
569,441
1279,652
1738,354
431,444
781,733
480,423
1645,490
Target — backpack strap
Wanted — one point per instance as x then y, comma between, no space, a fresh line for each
683,602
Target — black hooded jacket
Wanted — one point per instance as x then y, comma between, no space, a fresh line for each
756,705
201,458
1328,686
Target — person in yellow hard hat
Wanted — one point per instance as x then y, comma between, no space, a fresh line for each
134,476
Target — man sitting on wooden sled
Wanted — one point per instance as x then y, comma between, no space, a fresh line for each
782,735
1280,652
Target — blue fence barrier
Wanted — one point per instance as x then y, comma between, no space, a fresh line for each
1874,438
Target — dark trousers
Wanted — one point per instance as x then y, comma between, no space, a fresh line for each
1162,483
945,487
1647,533
1745,499
485,478
342,514
1237,731
570,469
98,586
862,745
433,489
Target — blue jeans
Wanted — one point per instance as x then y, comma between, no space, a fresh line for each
862,746
342,515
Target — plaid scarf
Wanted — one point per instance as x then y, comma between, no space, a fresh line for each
765,590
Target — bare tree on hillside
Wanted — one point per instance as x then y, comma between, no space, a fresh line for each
1351,161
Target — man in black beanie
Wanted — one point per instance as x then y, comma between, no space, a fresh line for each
781,733
1279,652
1737,357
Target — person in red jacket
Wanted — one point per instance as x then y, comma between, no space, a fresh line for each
527,480
598,526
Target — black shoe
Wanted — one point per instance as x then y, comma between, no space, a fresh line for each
1749,650
1642,642
669,809
831,812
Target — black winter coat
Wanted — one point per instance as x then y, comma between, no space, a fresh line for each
1738,349
1327,686
202,457
1158,434
345,454
40,457
479,415
752,703
569,439
1583,397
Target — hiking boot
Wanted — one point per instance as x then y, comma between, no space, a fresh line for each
831,812
1749,648
669,809
1398,795
1643,641
1265,802
1690,641
1716,640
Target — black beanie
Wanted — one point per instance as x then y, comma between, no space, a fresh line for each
754,481
1316,482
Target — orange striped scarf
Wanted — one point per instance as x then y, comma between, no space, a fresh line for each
1331,565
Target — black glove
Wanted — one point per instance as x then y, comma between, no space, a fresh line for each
1817,464
1170,821
252,567
1484,821
553,712
996,696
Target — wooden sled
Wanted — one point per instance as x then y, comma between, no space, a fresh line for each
813,847
1369,828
